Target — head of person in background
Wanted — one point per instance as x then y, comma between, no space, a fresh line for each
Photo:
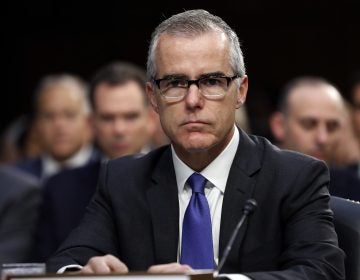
355,102
122,118
242,119
62,126
62,114
310,118
347,152
19,141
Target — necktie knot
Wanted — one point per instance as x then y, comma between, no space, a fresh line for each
197,183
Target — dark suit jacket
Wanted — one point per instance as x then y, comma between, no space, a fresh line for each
32,166
345,182
19,201
65,197
135,215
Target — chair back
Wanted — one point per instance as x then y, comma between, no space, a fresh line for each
347,226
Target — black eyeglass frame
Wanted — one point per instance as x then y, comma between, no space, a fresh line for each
196,82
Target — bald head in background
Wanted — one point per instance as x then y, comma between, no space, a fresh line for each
310,119
62,115
355,100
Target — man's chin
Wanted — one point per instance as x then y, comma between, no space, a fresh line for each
197,146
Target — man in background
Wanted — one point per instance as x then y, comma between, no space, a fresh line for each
355,102
123,124
62,125
312,119
122,116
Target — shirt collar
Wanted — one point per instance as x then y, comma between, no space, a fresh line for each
52,166
216,172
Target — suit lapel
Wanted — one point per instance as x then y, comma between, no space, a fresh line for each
239,188
164,209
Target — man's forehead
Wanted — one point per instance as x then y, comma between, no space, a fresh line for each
317,99
202,54
318,118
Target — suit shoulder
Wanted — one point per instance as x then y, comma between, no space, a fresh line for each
64,184
133,170
282,157
15,184
17,179
30,165
132,162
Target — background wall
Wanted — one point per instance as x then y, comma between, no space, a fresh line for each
280,41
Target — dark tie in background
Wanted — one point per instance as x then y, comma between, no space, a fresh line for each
197,246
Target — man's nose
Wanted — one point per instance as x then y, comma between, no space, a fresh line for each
60,121
194,98
119,126
322,135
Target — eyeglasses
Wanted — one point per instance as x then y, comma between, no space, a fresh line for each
212,87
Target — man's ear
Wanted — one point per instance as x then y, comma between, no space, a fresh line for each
242,92
277,126
151,96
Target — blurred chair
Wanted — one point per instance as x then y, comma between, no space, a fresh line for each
347,226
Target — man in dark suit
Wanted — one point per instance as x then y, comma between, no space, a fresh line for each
61,108
145,213
122,124
311,119
19,201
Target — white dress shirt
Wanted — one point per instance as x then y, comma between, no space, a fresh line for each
216,173
52,166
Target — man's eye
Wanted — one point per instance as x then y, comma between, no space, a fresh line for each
308,124
213,82
332,126
176,83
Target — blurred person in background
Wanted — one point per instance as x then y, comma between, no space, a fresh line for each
355,102
19,141
157,136
121,112
61,122
312,119
124,124
20,198
242,119
354,109
347,153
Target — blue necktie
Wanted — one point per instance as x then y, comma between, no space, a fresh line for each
197,246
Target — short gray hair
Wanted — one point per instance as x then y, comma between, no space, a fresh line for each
195,22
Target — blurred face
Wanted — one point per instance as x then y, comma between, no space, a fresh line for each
196,125
62,121
120,119
314,122
356,112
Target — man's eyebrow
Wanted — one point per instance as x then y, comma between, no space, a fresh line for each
212,74
174,76
182,76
